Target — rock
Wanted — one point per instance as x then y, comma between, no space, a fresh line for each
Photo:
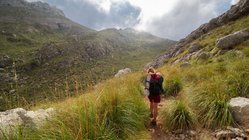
185,64
10,119
178,52
46,53
240,110
204,55
231,40
237,11
224,134
230,133
123,72
237,132
37,117
221,52
176,61
195,47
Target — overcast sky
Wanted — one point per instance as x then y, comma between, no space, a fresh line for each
172,19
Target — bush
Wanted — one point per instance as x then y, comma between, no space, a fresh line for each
178,116
172,86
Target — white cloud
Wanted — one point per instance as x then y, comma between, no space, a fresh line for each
233,2
175,19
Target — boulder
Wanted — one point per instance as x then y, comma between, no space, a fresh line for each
123,72
231,40
13,118
38,117
195,47
240,110
204,55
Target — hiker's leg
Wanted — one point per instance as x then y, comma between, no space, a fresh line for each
151,107
155,108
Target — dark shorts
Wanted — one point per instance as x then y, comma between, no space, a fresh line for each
154,98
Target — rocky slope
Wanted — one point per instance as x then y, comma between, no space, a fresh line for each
192,41
39,14
42,51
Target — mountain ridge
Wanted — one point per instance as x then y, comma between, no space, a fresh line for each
241,9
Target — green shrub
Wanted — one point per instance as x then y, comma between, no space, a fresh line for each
172,86
177,116
212,109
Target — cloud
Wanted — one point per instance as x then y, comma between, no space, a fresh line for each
172,19
233,2
182,17
99,14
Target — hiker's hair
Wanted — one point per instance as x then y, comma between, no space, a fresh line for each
151,70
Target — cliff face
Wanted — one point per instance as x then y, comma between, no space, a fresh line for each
237,11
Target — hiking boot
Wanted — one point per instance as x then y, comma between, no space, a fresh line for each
151,115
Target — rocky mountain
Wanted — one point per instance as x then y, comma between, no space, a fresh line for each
42,51
38,14
193,43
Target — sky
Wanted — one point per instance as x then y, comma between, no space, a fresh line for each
172,19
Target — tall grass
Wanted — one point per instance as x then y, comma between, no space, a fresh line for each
172,86
177,115
211,104
115,110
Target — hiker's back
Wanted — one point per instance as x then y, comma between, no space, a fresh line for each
155,87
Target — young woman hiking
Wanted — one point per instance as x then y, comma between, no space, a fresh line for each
153,84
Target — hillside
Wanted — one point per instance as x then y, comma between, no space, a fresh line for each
43,53
203,76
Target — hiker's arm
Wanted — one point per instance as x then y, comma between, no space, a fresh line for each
147,82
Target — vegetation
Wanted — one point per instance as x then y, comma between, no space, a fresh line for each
88,57
111,111
177,116
172,86
114,109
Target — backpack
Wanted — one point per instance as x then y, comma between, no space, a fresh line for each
155,87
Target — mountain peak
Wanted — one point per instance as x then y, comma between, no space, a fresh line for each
41,6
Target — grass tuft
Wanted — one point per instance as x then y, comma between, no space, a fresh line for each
178,116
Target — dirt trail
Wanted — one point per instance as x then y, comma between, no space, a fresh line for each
156,132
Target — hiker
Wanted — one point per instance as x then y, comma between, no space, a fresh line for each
153,84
